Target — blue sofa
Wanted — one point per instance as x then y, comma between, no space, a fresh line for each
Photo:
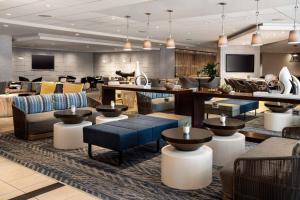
125,134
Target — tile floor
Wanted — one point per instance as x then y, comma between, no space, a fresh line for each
16,180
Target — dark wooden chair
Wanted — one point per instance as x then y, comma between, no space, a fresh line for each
37,79
21,78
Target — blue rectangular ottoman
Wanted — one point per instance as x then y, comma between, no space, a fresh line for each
125,134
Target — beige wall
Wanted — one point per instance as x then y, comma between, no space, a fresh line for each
273,62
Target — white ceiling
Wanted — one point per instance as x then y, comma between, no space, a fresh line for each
195,22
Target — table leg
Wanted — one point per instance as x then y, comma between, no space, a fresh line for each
108,95
183,104
198,112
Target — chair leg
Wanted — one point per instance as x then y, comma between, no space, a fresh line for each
90,150
120,158
206,115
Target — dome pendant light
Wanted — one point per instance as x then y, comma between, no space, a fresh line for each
147,43
127,44
223,42
170,43
256,37
294,36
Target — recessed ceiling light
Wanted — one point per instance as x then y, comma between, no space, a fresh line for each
77,34
8,14
48,5
5,25
45,16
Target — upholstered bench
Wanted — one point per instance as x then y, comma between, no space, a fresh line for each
125,134
230,107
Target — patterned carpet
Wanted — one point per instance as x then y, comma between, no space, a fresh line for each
138,178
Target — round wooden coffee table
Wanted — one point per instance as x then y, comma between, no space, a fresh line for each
109,111
224,129
68,117
197,137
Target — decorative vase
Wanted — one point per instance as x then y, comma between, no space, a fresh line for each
137,73
186,129
285,78
112,104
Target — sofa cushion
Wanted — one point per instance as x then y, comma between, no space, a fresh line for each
35,104
48,87
283,147
72,87
41,122
245,105
48,103
161,104
21,103
154,95
59,101
77,99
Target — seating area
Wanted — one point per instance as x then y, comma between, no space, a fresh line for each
149,100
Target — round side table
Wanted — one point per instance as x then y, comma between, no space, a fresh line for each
69,136
102,119
186,170
277,121
227,148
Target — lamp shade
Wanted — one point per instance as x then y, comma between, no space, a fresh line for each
147,45
170,43
223,42
256,40
294,37
127,46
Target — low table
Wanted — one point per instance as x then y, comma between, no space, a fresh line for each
227,143
69,117
68,134
275,121
223,129
197,137
109,111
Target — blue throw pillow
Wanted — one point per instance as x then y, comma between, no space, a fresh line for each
59,101
48,102
21,103
77,99
35,104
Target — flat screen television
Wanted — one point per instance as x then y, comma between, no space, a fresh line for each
239,63
42,62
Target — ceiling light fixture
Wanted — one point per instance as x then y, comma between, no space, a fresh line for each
170,43
8,14
127,44
294,36
147,42
223,42
256,37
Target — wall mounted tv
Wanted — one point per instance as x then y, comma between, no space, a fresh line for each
42,62
239,63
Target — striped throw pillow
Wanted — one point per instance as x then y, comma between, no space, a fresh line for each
59,101
21,103
77,99
35,104
48,102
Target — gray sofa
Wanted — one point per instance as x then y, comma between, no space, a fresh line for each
37,124
266,171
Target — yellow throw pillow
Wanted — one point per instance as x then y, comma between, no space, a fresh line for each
72,88
48,87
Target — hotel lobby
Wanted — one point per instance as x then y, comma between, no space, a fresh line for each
149,99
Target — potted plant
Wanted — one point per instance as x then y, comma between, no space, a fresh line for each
210,70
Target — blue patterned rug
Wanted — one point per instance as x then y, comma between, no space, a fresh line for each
138,178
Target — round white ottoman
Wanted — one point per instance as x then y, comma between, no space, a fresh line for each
186,170
69,136
278,121
101,119
227,148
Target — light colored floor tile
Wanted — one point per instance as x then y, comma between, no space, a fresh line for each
10,171
11,195
32,182
8,191
59,194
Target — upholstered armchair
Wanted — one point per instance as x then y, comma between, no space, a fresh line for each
269,177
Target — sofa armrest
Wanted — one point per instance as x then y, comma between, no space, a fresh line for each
93,102
267,178
291,132
144,104
20,124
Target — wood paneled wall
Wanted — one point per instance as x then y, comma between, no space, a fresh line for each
189,62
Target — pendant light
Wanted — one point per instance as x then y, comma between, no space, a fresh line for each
294,36
256,37
127,44
223,42
147,43
170,43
